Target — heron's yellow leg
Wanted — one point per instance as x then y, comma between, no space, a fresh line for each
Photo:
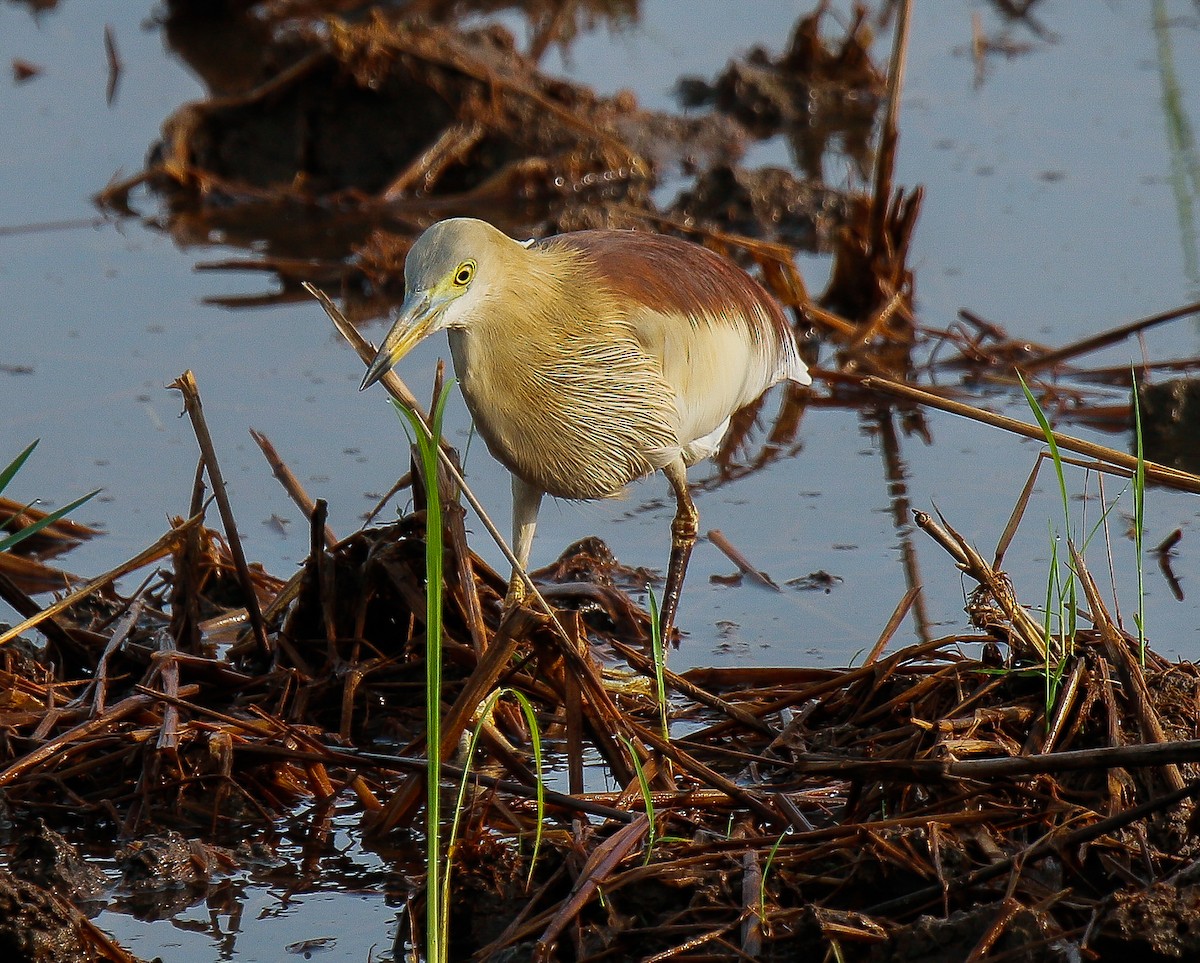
683,537
526,502
516,591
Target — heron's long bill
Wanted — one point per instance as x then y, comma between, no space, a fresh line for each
416,320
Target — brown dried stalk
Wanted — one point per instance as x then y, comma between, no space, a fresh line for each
186,385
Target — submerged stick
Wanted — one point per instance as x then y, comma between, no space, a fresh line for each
289,481
734,554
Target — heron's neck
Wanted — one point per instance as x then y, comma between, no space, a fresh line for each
517,339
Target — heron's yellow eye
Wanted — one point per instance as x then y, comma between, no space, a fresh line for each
466,271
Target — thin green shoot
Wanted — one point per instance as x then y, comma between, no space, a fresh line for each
762,882
1056,662
647,801
656,642
1067,597
6,476
535,737
1100,522
427,449
1139,520
1056,457
1048,635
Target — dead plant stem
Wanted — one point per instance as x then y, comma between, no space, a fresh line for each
150,554
1170,477
186,385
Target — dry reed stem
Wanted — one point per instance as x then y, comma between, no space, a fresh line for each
1067,698
893,623
1018,512
186,385
735,555
684,687
707,775
1027,636
1105,338
752,908
70,740
65,638
63,532
151,553
464,566
594,874
1162,474
120,632
1117,647
1146,755
516,625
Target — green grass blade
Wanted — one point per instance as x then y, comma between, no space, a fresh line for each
660,658
1095,529
1139,520
762,881
427,442
535,737
1051,580
1056,456
15,466
1067,626
443,896
17,537
647,800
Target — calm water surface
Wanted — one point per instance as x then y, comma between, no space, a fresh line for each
1054,207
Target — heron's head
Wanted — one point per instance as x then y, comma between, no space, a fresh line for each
447,275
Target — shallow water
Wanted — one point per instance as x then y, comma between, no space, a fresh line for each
1052,215
1050,208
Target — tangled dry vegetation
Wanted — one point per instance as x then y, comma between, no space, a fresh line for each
931,803
925,804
